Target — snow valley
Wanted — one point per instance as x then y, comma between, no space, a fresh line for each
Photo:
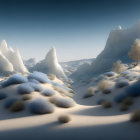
97,98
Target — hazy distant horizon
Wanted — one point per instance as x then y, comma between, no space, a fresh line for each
78,29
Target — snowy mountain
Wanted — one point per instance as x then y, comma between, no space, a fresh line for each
30,62
117,47
71,66
10,60
50,65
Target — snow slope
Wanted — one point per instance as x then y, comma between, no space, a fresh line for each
10,59
88,120
117,47
30,62
71,66
50,65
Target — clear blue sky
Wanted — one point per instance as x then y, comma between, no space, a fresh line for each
76,28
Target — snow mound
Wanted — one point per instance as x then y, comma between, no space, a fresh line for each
10,59
122,83
14,79
29,87
39,76
48,92
40,106
62,102
25,88
50,65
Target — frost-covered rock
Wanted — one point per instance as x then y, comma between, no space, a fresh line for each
40,106
25,88
129,91
124,73
14,79
122,83
134,89
110,74
131,76
37,87
50,65
39,76
48,92
62,102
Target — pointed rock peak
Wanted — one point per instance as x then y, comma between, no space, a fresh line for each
51,55
52,50
4,44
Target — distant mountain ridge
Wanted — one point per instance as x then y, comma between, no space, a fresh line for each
117,47
71,66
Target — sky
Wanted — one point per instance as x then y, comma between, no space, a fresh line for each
78,29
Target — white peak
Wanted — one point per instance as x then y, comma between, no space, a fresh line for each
51,55
3,46
13,57
50,65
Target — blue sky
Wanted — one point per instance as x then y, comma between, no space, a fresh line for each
76,28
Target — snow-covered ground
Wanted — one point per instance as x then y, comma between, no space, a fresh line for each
93,101
72,66
89,120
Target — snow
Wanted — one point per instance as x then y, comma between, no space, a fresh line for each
25,88
121,83
2,95
11,59
14,79
8,102
5,65
71,66
39,76
118,45
48,92
50,65
64,102
87,114
30,62
40,106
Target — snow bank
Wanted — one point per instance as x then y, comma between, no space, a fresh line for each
40,106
